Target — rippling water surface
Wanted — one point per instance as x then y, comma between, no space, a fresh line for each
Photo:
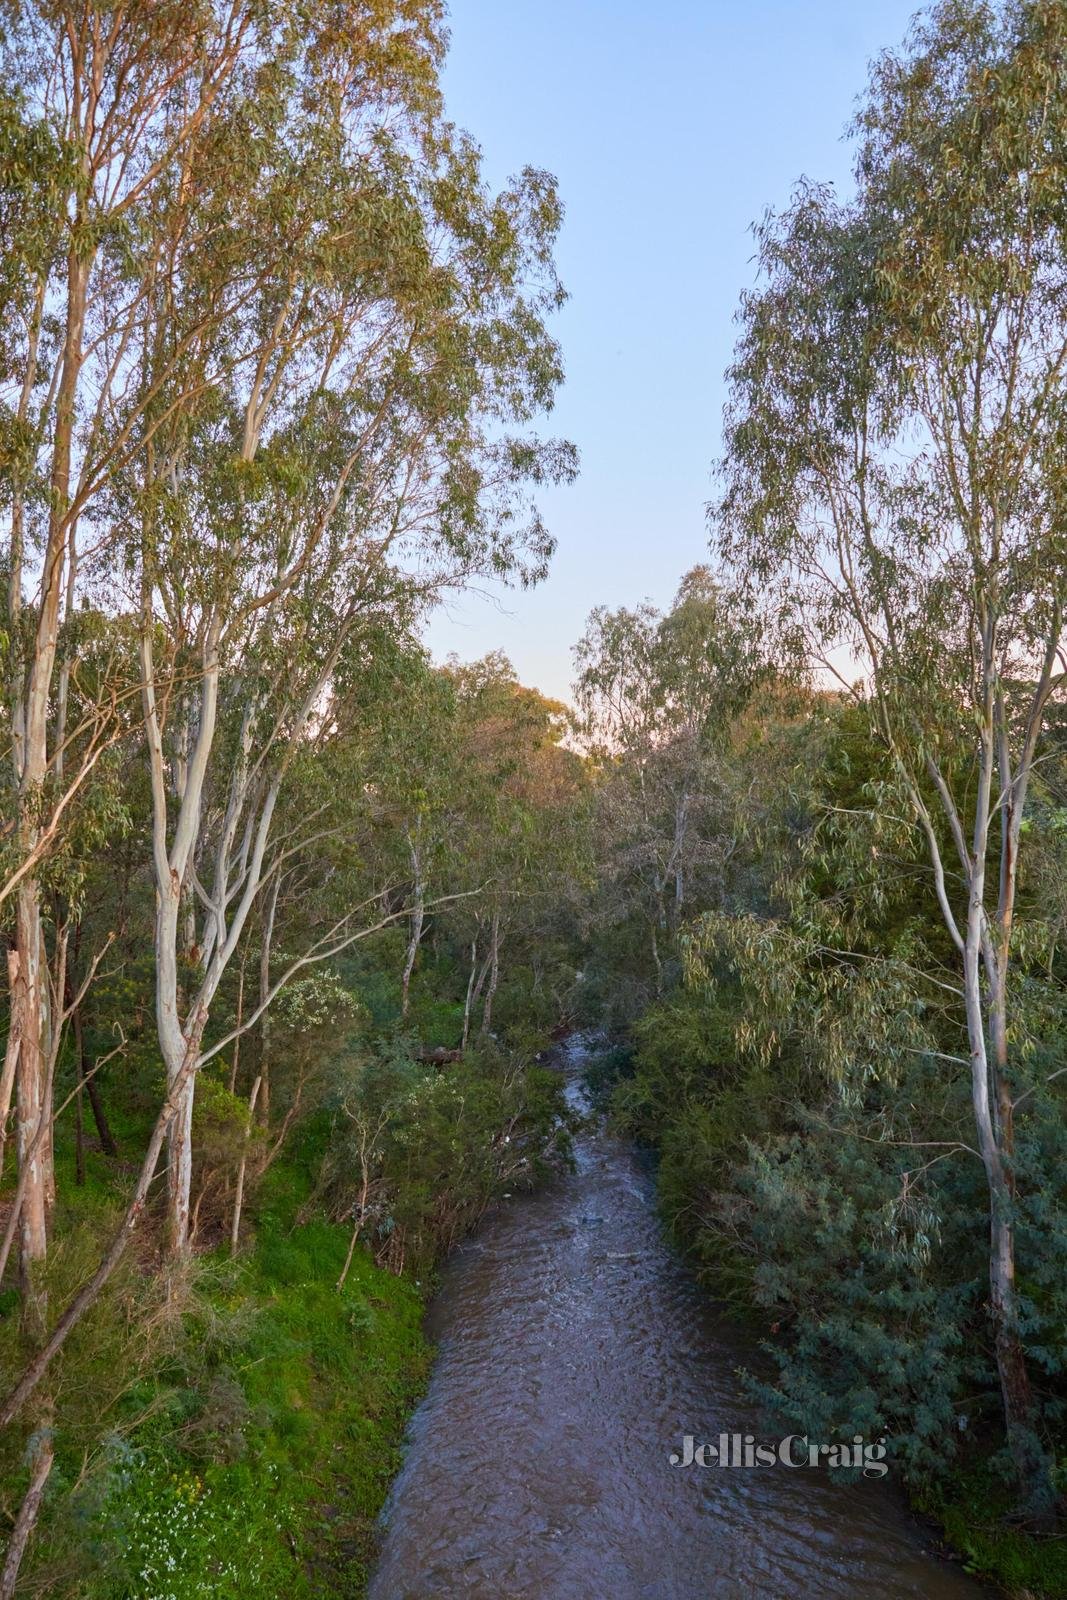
575,1352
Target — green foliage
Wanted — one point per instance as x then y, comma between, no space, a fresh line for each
418,1153
251,1431
186,1535
975,1512
803,1093
874,1281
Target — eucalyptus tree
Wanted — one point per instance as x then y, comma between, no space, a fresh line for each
357,460
403,711
896,450
519,835
659,695
102,106
359,434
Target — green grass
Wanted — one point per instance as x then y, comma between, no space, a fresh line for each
254,1449
309,1396
973,1510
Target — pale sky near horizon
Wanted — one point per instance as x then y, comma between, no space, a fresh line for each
670,130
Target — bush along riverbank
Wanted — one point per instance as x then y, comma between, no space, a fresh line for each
856,1094
210,1317
236,1434
775,1247
231,1425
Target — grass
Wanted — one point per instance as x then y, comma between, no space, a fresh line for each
270,1480
232,1428
254,1448
973,1509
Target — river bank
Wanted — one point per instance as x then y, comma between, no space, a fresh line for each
253,1442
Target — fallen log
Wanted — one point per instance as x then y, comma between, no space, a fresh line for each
438,1057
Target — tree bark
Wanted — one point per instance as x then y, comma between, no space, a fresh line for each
360,1209
986,1016
418,914
26,1014
11,1054
468,1003
43,1456
239,1023
235,1229
180,1174
178,1041
494,973
270,908
1016,1392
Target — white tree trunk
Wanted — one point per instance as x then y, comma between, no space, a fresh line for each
468,1003
43,1456
239,1192
494,973
26,1012
418,914
11,1054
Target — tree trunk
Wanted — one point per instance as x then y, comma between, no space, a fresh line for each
32,720
238,1021
1031,1464
26,1017
417,914
468,1004
235,1229
48,1160
357,1224
179,1041
178,1045
360,1208
43,1456
494,973
180,1173
270,907
417,918
1028,1453
11,1054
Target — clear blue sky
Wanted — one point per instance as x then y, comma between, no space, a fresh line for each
670,129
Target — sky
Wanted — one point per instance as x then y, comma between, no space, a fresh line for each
670,129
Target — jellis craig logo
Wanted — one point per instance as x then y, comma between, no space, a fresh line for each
796,1450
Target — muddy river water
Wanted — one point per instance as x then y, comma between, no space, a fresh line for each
575,1355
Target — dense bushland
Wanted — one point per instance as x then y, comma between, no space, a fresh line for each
833,876
282,903
792,1052
241,1414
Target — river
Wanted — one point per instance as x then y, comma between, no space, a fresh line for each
575,1353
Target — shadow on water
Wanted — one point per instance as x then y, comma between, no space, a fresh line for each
575,1353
